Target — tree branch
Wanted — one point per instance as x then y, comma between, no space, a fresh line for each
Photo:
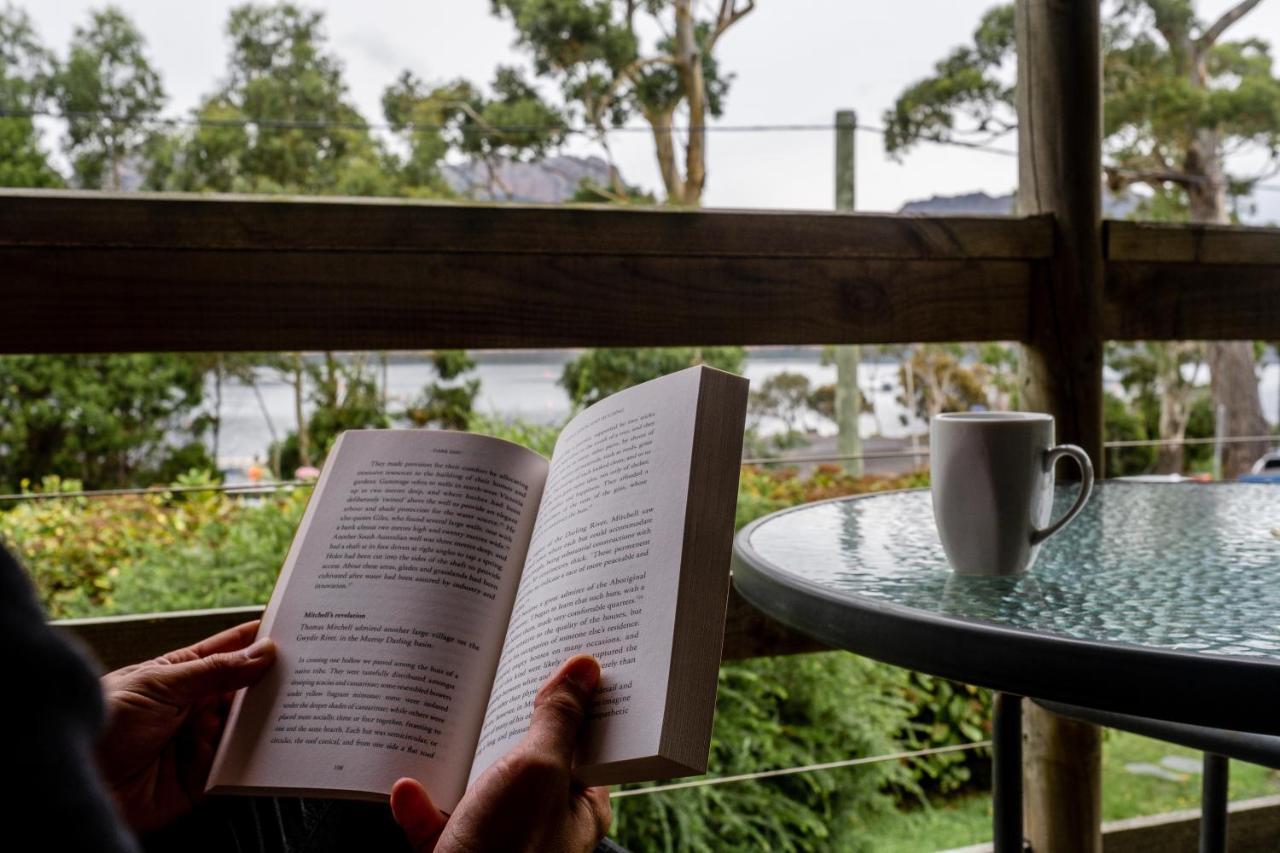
729,15
1210,36
629,72
1118,176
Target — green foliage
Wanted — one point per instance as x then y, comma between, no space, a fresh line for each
1121,423
944,378
540,438
945,713
303,135
787,397
108,90
26,73
589,192
765,490
344,395
1176,97
151,553
1162,378
969,97
596,51
512,124
774,713
447,404
597,373
109,420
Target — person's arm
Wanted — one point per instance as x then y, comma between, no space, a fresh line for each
526,801
51,716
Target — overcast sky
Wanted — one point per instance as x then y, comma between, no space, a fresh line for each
795,61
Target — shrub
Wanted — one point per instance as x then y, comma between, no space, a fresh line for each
151,553
775,713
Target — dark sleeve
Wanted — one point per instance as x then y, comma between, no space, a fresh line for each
52,714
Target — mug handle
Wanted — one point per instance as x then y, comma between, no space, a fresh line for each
1052,455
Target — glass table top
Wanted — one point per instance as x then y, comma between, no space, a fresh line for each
1187,567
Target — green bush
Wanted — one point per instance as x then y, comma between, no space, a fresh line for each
1122,423
776,713
151,553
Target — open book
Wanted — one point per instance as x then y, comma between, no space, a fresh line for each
438,578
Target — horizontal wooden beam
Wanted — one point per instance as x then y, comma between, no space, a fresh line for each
136,300
117,641
91,220
1191,301
1162,242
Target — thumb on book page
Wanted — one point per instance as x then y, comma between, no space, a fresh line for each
560,709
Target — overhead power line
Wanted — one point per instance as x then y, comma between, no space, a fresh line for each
566,130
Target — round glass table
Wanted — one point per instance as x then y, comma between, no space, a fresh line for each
1159,605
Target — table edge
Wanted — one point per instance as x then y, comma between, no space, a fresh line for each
1223,691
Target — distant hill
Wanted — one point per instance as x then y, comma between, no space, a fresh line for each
548,181
981,204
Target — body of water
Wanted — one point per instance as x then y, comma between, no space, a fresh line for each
524,385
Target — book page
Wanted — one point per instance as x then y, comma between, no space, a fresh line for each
389,617
603,571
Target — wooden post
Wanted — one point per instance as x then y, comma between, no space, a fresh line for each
1059,99
848,395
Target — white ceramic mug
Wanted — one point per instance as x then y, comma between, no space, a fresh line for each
992,483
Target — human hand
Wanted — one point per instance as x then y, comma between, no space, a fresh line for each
527,800
164,718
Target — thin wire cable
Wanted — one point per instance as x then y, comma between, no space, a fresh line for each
807,768
267,488
234,488
566,130
793,460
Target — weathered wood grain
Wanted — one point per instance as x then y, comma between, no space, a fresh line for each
117,641
1253,826
54,218
1187,243
1182,301
1059,105
120,640
125,300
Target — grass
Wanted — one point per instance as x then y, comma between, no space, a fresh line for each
967,820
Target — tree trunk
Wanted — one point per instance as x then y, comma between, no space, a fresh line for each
217,409
1231,363
1173,425
1235,388
689,59
664,146
304,454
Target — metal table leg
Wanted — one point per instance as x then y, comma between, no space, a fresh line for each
1006,774
1213,804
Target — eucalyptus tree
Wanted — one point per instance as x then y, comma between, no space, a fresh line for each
26,73
609,71
1180,100
110,95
